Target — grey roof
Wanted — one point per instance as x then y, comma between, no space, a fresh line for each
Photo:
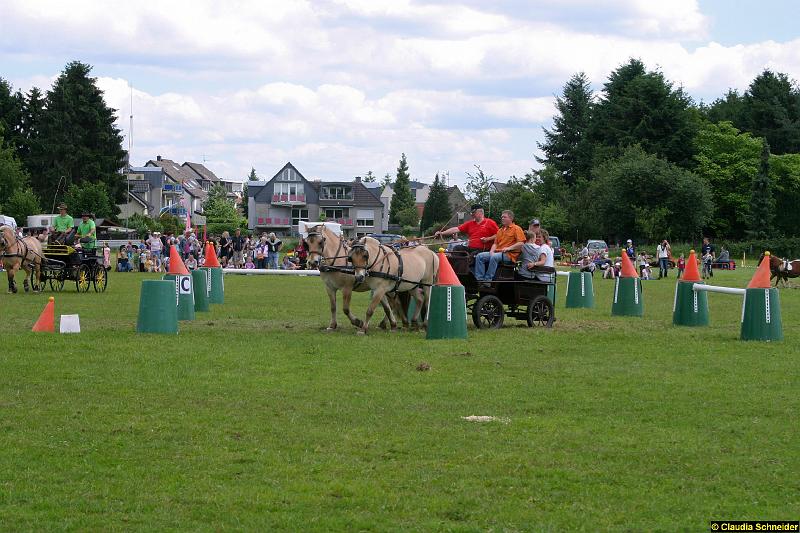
418,184
202,171
179,174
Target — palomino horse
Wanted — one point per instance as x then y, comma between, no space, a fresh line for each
387,270
328,252
782,269
19,253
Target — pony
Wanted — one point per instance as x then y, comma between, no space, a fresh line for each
782,269
328,252
387,270
16,253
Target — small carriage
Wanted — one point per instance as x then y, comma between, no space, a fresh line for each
509,294
64,262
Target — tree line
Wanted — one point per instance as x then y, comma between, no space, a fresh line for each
61,145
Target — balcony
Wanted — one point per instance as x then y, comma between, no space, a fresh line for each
274,221
289,199
345,221
170,188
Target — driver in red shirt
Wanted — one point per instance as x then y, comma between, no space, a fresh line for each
480,230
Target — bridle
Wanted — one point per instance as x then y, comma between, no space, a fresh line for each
326,263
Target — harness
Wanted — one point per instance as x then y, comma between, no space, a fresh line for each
331,268
383,256
20,243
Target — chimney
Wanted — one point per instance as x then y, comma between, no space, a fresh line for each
158,158
358,179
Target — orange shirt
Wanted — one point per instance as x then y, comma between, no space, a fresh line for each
507,236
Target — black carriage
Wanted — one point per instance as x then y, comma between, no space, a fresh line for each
84,267
509,294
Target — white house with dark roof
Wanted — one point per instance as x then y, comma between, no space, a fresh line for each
278,204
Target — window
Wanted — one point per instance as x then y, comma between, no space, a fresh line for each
337,193
365,218
298,215
335,214
292,189
289,174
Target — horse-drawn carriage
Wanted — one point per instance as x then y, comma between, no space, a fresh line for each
509,294
84,267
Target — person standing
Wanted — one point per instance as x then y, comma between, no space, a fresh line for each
630,250
708,251
663,252
273,247
156,247
505,249
237,243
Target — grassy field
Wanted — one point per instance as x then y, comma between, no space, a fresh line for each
253,418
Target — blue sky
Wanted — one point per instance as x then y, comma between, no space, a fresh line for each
340,87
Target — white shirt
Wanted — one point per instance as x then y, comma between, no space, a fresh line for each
548,262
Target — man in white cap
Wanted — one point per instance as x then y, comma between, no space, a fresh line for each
629,249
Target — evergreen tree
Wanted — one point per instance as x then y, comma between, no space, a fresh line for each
762,206
640,107
403,198
11,105
567,147
78,138
369,177
772,110
31,122
437,207
727,109
252,176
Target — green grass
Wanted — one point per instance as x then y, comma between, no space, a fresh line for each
254,418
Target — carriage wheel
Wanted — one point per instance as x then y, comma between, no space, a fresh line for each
540,312
56,280
83,278
488,312
100,279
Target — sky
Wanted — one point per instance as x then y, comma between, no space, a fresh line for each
342,87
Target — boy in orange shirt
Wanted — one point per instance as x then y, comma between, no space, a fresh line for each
506,248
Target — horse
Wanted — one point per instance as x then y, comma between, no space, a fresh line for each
328,252
782,269
16,253
387,270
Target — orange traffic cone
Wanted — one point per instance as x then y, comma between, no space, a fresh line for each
447,275
691,273
176,265
211,256
47,320
628,270
761,277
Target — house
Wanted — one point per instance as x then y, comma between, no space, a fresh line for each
207,179
458,205
420,190
193,195
149,191
278,204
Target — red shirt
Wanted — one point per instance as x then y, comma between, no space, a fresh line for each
486,228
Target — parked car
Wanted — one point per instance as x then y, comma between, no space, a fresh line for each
555,244
386,238
597,246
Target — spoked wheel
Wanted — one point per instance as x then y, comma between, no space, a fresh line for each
100,279
83,278
56,280
540,312
488,312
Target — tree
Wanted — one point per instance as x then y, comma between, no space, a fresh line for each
639,195
567,147
252,176
369,177
22,204
478,188
761,203
437,207
727,160
640,107
91,197
772,111
403,198
727,109
11,108
31,122
784,171
245,193
12,176
387,180
78,138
